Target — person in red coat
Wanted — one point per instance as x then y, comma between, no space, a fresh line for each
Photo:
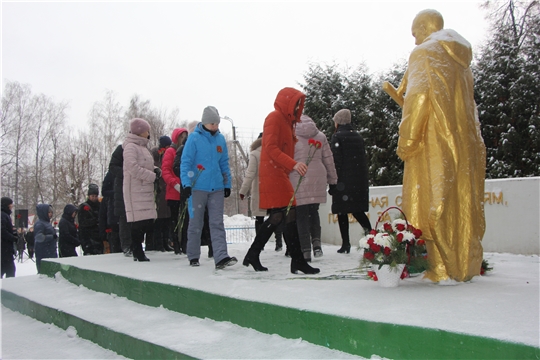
170,173
275,188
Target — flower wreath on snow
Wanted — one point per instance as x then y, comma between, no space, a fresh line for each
394,243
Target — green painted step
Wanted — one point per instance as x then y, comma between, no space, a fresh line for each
353,336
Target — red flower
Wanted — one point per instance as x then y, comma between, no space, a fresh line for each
311,142
108,230
86,208
370,242
219,149
400,227
388,227
318,144
405,273
417,233
420,242
372,275
55,223
200,167
399,237
76,226
161,151
387,250
375,248
18,216
373,232
368,255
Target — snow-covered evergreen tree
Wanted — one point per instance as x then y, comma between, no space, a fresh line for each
507,91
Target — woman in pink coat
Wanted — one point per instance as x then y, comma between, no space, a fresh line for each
139,176
312,190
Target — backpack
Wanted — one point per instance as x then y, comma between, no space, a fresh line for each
178,160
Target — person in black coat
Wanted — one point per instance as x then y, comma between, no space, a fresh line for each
351,193
68,235
108,221
9,239
116,167
88,215
30,242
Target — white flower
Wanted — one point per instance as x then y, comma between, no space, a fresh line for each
407,236
382,239
363,242
397,222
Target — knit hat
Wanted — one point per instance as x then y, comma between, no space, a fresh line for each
164,141
138,126
210,115
342,117
93,189
6,201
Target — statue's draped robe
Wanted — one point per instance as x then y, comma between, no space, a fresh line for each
444,155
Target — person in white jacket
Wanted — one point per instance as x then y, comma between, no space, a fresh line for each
312,190
139,176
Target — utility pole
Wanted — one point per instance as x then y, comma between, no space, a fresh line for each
237,188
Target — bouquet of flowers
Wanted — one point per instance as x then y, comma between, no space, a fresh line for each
395,243
314,145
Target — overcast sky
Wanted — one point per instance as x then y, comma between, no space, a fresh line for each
187,55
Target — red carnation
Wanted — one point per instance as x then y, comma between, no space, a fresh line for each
405,273
373,232
370,241
311,142
417,233
420,242
387,250
368,255
55,223
76,226
387,227
399,237
400,227
200,167
318,144
372,275
86,208
375,248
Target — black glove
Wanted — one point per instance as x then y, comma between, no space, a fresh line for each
227,192
185,193
157,171
332,189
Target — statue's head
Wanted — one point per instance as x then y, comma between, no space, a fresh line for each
426,23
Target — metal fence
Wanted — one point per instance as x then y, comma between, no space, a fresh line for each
240,234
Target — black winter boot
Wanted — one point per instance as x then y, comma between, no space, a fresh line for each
298,263
252,258
138,253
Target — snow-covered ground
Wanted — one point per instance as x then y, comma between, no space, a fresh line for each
504,304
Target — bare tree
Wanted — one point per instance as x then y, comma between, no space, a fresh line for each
16,119
107,129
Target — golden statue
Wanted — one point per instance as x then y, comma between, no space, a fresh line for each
443,150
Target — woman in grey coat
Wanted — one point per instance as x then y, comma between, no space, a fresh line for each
312,190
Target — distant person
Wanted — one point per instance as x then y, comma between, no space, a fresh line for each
21,244
109,227
312,190
30,242
9,239
250,188
351,194
116,167
45,235
68,235
275,189
206,147
139,177
162,224
88,216
171,175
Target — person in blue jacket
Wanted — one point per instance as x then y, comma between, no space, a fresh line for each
206,182
45,235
